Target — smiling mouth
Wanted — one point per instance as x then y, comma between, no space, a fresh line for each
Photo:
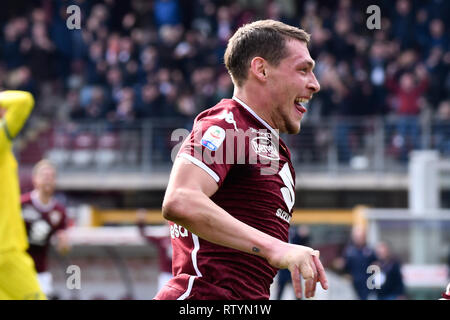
300,104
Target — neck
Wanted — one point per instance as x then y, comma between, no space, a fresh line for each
257,100
43,197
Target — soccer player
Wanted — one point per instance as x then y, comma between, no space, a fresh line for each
44,217
18,279
230,204
164,247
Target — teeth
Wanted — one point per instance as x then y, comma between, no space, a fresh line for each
301,100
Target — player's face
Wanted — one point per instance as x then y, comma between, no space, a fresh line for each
44,180
292,85
382,251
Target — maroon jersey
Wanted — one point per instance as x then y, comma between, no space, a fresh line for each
253,170
164,247
42,221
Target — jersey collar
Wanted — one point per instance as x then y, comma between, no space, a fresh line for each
275,133
38,204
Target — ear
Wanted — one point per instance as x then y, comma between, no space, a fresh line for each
258,68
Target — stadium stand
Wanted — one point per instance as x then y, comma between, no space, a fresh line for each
133,61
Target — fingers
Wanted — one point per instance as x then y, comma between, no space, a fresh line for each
307,270
308,274
321,273
310,284
296,282
315,253
310,288
313,272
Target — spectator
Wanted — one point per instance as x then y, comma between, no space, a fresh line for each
358,256
377,60
437,35
21,79
392,286
41,53
97,105
150,103
96,64
125,110
438,65
402,23
407,94
408,90
421,29
167,12
12,42
442,131
73,107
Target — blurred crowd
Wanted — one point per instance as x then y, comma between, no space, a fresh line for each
164,58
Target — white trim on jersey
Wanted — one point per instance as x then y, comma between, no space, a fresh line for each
38,203
201,165
188,291
194,254
255,115
194,263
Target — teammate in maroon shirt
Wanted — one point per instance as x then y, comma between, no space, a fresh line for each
44,217
231,190
164,247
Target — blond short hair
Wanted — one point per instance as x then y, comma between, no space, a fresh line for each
41,164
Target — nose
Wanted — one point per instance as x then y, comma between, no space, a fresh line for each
313,84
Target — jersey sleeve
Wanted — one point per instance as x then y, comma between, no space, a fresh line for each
5,141
64,220
212,146
18,105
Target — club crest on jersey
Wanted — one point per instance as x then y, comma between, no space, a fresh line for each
30,214
265,148
213,137
55,217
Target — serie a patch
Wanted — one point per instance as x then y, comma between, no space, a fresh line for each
213,137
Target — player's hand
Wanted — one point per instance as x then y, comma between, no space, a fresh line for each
302,262
63,244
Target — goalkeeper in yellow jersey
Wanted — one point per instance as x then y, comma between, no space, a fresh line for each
18,279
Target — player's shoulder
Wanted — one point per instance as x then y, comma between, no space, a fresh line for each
25,198
227,114
59,207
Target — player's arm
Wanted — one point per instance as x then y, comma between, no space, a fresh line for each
187,202
140,223
143,234
15,107
62,241
62,237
